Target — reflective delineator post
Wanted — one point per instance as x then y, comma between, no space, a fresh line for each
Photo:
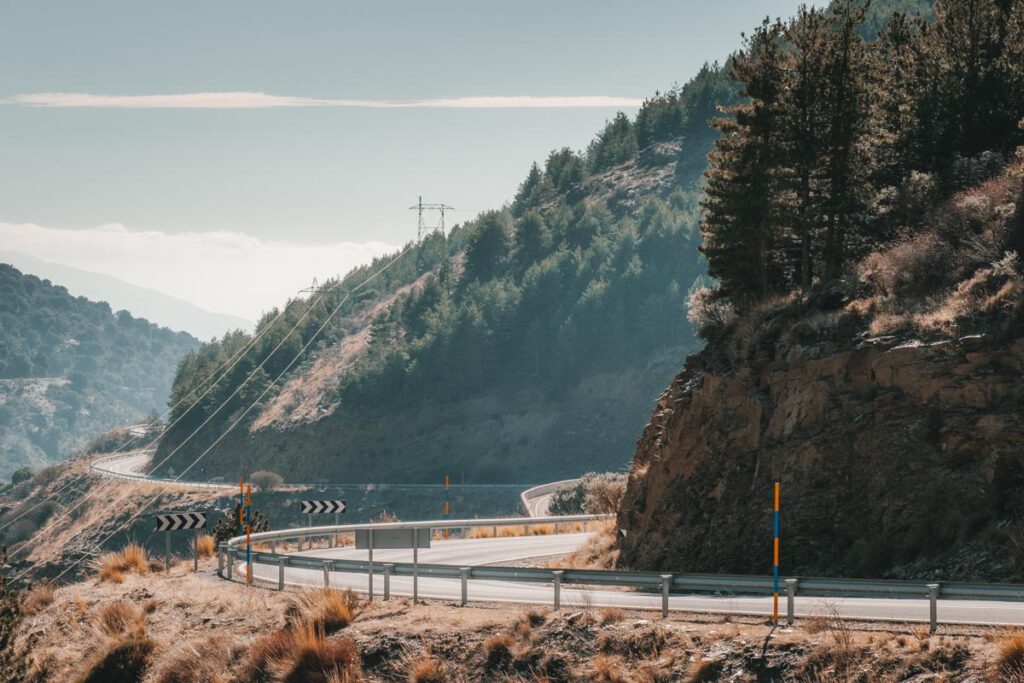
416,564
775,564
666,582
790,600
464,575
369,573
558,574
446,505
280,574
327,574
387,581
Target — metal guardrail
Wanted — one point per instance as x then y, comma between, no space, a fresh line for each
543,490
652,582
99,465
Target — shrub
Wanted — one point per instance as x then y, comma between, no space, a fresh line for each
709,311
14,659
20,475
47,475
593,494
125,661
611,615
265,480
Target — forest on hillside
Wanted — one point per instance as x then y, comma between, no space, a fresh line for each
569,279
843,147
71,369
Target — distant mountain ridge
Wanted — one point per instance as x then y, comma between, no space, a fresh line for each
71,369
153,305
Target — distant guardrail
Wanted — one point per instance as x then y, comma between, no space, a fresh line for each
101,467
530,494
659,582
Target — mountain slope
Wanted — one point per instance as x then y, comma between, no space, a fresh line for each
157,307
71,369
522,345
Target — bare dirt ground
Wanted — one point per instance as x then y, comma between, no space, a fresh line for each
197,627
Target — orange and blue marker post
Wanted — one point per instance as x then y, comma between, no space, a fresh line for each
775,564
248,535
446,504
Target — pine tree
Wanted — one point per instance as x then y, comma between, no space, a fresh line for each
533,239
530,191
845,152
803,125
740,225
487,247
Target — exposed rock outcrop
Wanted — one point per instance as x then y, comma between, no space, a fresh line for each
895,459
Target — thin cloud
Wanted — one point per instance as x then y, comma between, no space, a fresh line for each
259,100
225,272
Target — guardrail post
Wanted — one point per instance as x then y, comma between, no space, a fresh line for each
558,574
465,585
231,562
327,573
387,581
495,530
933,607
298,545
790,599
557,528
273,547
666,581
280,573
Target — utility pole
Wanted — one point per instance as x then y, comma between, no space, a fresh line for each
422,227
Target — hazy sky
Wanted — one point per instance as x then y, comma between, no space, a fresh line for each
274,125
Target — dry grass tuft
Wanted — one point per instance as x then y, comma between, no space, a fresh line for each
598,552
1009,664
611,615
329,609
498,652
126,659
427,670
113,566
120,617
206,545
704,670
199,661
607,669
37,600
302,655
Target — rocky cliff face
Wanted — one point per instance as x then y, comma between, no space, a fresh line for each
895,459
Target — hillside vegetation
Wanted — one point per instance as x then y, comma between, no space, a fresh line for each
71,369
864,221
542,329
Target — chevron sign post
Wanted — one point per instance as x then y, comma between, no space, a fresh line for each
318,507
182,521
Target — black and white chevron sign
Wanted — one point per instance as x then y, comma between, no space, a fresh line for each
174,521
311,507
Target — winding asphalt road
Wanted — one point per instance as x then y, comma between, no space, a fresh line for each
507,550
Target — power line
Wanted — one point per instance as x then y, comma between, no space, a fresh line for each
252,405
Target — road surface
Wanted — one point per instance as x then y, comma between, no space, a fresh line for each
508,550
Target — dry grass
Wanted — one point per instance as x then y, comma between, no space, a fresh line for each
1009,663
302,654
598,552
37,600
498,652
206,545
427,670
126,659
329,609
611,615
113,566
607,669
120,617
201,660
704,670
